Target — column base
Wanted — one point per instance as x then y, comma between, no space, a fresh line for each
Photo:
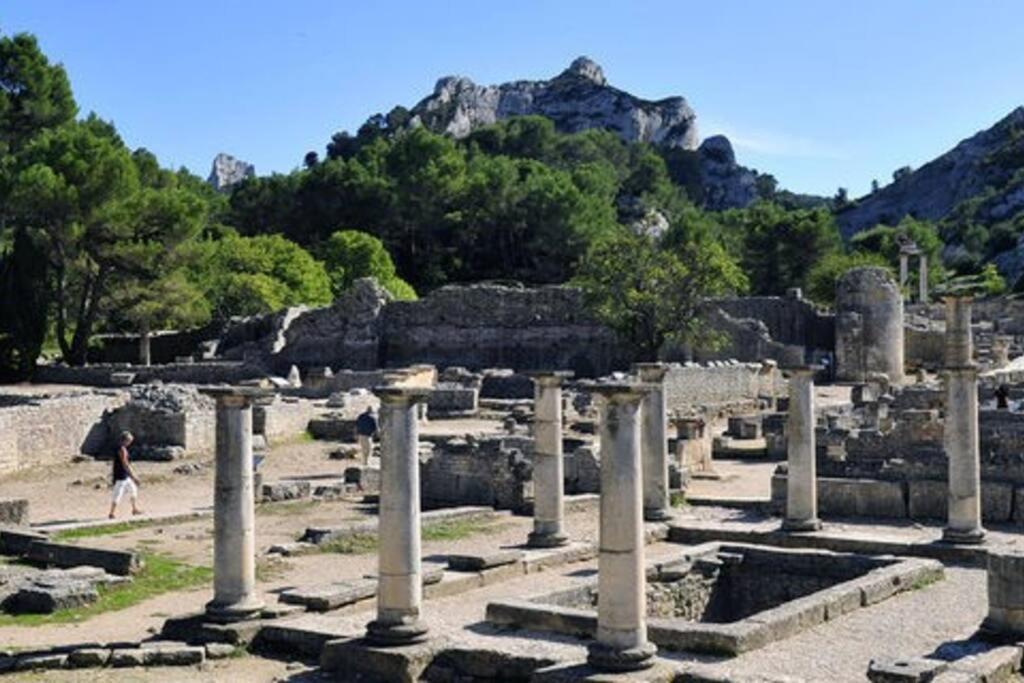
969,537
226,613
801,525
410,630
609,658
656,515
538,539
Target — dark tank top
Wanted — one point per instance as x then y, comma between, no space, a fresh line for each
120,472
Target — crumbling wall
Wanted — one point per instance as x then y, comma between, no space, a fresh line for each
45,430
220,372
492,470
789,320
282,420
719,383
165,415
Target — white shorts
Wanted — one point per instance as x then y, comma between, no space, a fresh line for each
124,486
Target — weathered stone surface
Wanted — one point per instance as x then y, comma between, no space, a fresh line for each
904,670
88,658
49,597
14,511
287,490
476,563
331,596
861,498
126,657
118,562
220,650
404,664
39,662
869,325
172,654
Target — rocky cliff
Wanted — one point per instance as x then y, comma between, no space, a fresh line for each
577,99
983,170
227,171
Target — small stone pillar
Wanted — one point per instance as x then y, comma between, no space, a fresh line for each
801,481
1001,351
960,436
400,585
922,278
145,357
548,464
234,514
621,643
904,268
654,442
1005,593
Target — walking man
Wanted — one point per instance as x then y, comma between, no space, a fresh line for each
366,428
125,480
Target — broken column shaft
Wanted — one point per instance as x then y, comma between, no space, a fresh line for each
960,436
400,588
548,466
621,643
234,515
801,480
654,441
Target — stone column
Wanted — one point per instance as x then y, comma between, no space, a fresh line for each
234,514
1001,351
904,269
621,643
145,358
1005,593
922,278
400,584
654,442
960,436
801,480
548,465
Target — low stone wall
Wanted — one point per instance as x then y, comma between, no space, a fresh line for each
282,420
47,430
489,471
220,372
719,383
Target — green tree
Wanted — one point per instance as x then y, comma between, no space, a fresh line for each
24,307
351,254
255,275
650,296
820,285
884,241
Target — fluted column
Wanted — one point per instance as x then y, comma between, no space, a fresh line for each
234,514
801,480
960,436
400,587
621,643
654,441
548,465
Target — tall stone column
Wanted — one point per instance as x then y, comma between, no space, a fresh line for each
621,643
548,465
654,442
922,278
400,586
801,480
904,268
960,437
234,514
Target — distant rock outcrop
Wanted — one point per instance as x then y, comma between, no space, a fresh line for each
985,167
725,183
228,171
577,99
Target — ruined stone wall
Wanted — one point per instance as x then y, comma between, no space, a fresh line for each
484,326
789,321
46,430
220,372
694,384
492,471
284,419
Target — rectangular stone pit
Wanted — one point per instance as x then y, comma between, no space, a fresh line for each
729,598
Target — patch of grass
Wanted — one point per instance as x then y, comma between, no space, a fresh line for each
103,529
444,530
924,581
160,574
677,499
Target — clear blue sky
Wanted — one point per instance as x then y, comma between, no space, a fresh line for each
821,94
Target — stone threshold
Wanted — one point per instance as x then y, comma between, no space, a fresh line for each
318,535
757,503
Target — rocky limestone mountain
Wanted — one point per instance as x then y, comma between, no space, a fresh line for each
228,171
577,99
984,170
725,183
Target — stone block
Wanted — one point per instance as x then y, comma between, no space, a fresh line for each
117,562
46,598
126,657
14,511
41,662
1005,592
861,498
331,596
286,490
359,659
927,499
220,650
996,501
996,665
16,542
166,654
476,563
87,658
744,427
904,670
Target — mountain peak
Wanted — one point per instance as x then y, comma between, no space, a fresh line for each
585,67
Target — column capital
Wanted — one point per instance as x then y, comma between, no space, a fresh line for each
238,397
651,372
617,392
549,378
399,395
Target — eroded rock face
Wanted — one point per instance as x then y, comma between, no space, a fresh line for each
577,99
228,171
726,184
